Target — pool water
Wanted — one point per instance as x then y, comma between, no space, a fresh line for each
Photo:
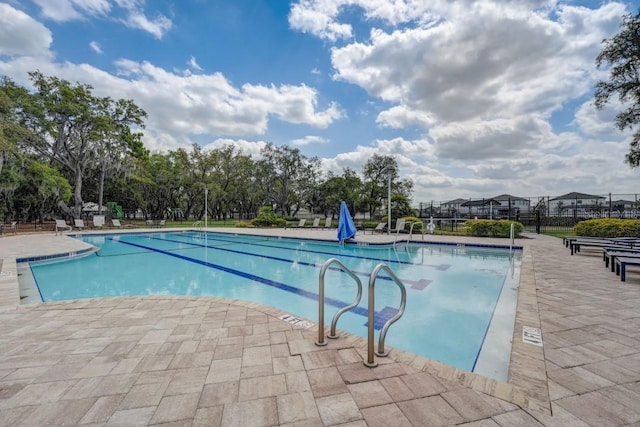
452,290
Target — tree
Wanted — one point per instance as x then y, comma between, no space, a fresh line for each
622,54
334,189
71,125
293,177
42,188
11,132
376,172
117,145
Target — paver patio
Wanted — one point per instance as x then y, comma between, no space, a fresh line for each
161,360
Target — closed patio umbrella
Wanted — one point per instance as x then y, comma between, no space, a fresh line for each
346,227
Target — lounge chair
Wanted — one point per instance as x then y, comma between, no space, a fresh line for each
316,223
79,224
98,221
327,223
300,224
116,223
400,223
149,223
13,227
162,223
378,229
61,225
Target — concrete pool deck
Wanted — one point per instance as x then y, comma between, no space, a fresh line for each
212,361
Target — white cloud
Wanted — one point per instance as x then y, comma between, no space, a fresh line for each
401,117
193,64
67,10
22,35
156,27
592,121
96,47
249,148
490,139
135,16
195,104
309,139
316,17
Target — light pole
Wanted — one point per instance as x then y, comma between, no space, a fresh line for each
389,172
206,207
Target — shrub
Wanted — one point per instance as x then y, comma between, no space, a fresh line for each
418,221
491,228
369,224
243,224
608,227
268,218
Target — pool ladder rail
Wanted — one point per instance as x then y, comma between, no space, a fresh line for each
410,233
370,362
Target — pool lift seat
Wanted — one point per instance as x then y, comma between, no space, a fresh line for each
370,362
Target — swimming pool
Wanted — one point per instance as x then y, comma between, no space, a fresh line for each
452,290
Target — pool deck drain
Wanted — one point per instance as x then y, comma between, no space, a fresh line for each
212,361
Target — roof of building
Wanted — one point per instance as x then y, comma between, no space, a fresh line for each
622,202
576,195
480,202
507,197
455,202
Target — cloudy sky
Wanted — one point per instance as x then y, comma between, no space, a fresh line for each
473,98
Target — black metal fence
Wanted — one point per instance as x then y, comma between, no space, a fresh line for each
540,214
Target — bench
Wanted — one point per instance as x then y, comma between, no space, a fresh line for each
609,255
621,263
575,245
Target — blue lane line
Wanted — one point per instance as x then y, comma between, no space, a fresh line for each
325,253
330,301
290,261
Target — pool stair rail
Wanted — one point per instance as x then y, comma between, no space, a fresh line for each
198,225
370,362
332,333
411,232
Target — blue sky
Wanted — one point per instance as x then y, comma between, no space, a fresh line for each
473,98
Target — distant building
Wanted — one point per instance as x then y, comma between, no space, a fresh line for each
578,204
484,208
512,206
453,208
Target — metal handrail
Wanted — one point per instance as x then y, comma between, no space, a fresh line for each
511,237
332,333
411,232
370,362
197,224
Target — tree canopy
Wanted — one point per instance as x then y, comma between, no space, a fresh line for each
622,54
60,142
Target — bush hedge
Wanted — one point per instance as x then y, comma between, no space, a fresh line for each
418,221
493,228
608,227
268,218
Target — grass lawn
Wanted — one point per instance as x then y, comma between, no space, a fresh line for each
559,234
